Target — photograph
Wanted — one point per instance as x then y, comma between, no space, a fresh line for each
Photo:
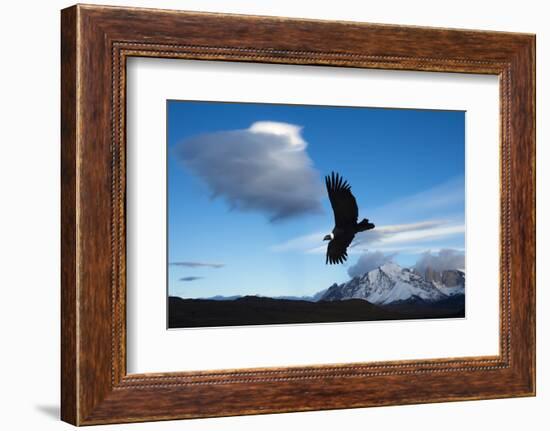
302,214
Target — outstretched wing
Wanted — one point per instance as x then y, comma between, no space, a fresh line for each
342,200
337,249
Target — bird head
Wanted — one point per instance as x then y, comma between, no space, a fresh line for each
328,237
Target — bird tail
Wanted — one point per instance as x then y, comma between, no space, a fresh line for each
364,225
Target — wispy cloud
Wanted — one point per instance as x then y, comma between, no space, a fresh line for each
399,249
436,202
446,199
301,243
394,238
190,278
408,233
439,260
264,168
198,264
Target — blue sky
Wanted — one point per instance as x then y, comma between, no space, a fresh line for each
247,209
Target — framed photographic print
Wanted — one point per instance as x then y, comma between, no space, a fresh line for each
316,215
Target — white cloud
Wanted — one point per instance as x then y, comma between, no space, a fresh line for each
301,243
440,211
404,249
444,259
398,237
440,260
408,233
264,168
369,261
289,132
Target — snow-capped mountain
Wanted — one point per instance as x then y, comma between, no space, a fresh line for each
391,284
449,282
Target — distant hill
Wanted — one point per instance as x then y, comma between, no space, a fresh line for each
446,308
311,298
254,310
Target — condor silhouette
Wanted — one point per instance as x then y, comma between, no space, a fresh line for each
345,211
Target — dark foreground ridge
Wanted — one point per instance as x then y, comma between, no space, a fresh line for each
255,310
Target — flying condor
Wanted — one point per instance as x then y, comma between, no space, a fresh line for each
345,211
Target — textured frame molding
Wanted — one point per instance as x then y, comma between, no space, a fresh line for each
96,41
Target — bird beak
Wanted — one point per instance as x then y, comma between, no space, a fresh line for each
326,238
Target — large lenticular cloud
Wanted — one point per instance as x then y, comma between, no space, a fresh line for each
264,168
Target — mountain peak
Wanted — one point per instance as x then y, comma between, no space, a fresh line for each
391,268
389,265
387,284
